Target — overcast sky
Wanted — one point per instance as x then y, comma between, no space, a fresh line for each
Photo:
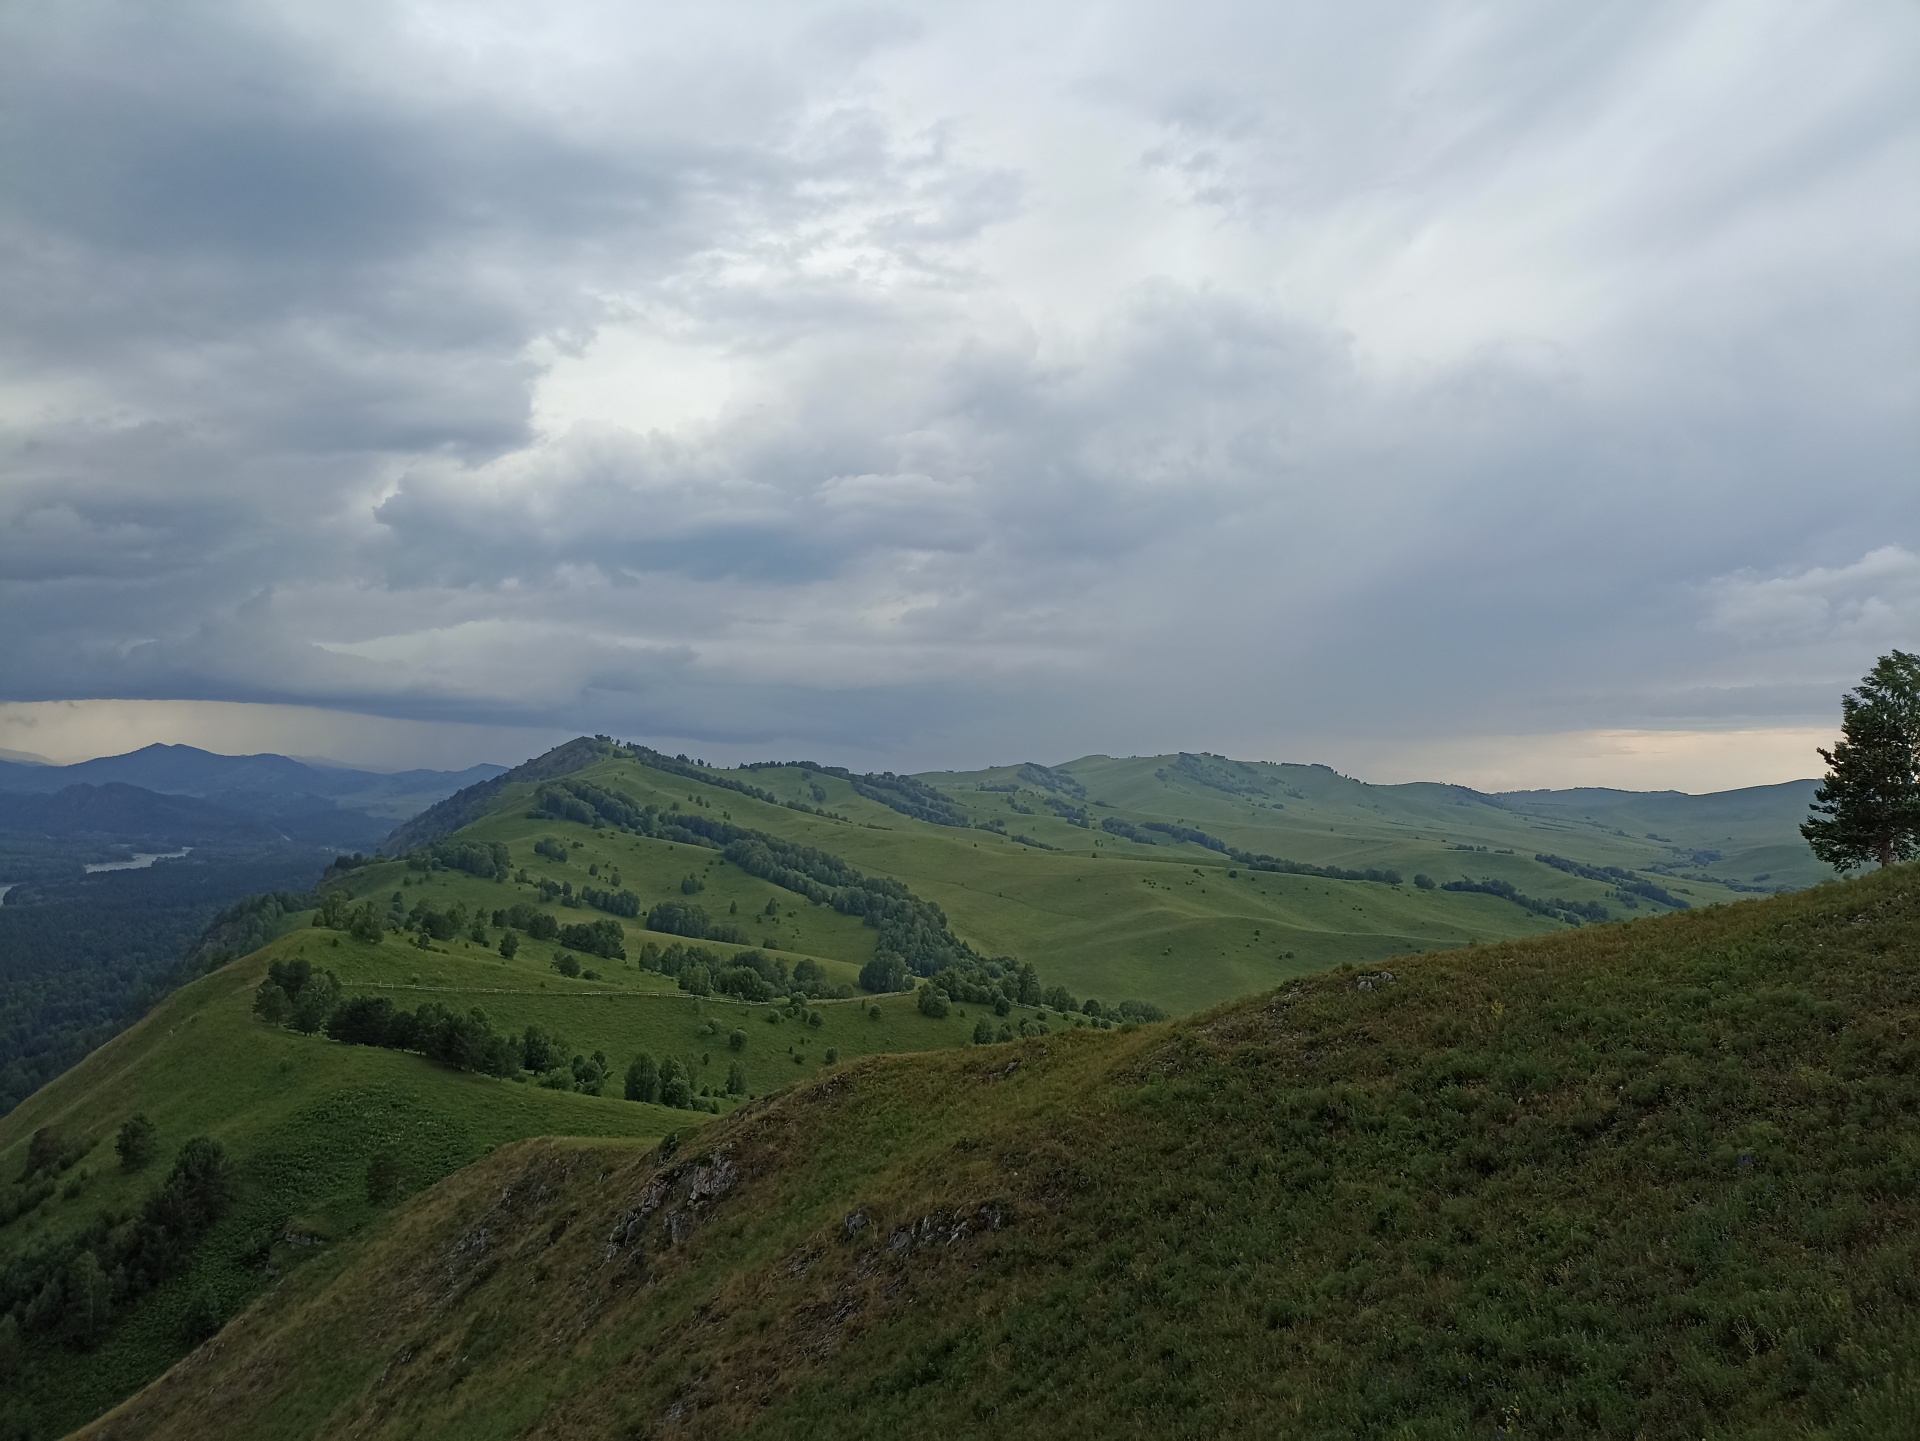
1417,387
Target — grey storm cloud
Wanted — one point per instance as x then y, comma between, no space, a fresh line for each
943,380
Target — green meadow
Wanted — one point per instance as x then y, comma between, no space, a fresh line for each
1032,871
1658,1180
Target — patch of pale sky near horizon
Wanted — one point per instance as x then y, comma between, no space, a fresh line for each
76,730
1694,761
1637,760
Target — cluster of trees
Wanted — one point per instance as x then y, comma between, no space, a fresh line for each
751,975
1220,774
670,1082
694,771
1189,835
1145,835
596,938
1572,912
528,920
905,794
337,912
912,931
295,994
545,1055
908,796
1256,862
553,850
1068,811
485,859
1047,779
69,1290
244,927
434,923
683,918
935,1001
614,903
1623,881
1867,808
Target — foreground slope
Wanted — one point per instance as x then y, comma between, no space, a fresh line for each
1659,1179
300,1116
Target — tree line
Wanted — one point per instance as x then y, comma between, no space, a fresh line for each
914,938
297,995
1147,834
1623,881
1574,913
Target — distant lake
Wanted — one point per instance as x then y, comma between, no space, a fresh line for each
141,860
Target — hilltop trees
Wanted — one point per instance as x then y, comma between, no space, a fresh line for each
1868,807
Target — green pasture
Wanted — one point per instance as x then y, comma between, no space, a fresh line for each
1651,1181
1108,917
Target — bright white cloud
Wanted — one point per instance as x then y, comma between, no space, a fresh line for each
1875,600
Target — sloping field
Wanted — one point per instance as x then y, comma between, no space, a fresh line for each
1654,1180
1167,921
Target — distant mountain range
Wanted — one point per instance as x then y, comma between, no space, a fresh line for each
318,805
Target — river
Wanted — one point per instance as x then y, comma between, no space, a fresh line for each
141,860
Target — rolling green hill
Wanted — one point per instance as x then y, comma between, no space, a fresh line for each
1171,882
1654,1180
1177,923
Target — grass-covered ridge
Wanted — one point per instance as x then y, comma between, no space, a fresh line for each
1649,1180
1035,873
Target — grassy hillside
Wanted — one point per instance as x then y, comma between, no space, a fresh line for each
1178,881
1173,922
302,1116
1654,1180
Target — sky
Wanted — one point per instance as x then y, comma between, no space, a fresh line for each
1517,394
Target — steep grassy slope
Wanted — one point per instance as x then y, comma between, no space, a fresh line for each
301,1116
1654,1180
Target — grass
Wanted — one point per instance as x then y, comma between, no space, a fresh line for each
1110,918
1656,1180
1178,925
303,1115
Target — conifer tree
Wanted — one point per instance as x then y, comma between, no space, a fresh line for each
1868,806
